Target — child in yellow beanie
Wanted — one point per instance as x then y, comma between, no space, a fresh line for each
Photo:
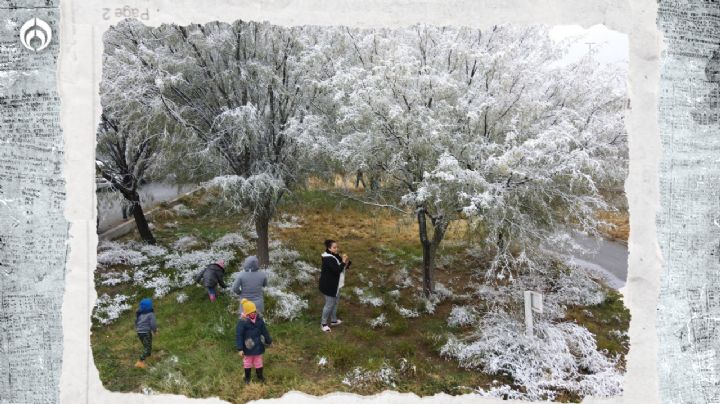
251,336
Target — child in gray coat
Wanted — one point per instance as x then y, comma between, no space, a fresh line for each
250,282
212,277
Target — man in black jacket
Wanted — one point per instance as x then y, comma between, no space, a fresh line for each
332,278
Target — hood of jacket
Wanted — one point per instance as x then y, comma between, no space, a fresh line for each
251,264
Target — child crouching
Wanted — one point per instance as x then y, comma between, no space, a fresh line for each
145,326
249,335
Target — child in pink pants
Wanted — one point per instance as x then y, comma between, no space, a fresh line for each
251,336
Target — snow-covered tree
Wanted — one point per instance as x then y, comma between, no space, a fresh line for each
235,90
132,126
126,150
471,123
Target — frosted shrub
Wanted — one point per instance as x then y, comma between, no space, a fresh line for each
395,294
278,277
561,357
141,275
407,313
105,245
461,316
114,278
161,284
231,240
186,265
185,243
153,250
108,309
181,297
305,267
577,288
284,256
303,277
305,272
120,254
288,305
379,321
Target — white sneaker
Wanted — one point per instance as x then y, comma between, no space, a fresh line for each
325,328
336,322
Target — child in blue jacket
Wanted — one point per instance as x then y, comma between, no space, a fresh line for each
145,326
251,336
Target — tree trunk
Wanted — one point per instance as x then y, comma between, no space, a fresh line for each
429,247
262,224
141,222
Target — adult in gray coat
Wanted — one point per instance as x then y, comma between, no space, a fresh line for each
250,282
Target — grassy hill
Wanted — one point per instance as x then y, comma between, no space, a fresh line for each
194,353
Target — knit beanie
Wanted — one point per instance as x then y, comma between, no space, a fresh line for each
221,263
247,306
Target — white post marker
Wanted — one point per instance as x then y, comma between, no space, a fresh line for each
533,303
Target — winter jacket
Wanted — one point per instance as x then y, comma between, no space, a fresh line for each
250,282
211,276
145,320
247,336
332,268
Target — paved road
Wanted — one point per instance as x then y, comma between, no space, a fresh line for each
110,202
610,258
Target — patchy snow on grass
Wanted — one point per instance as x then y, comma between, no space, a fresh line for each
442,291
108,309
143,274
367,298
305,272
561,356
461,316
403,279
288,305
379,321
359,378
114,278
113,253
181,297
322,361
186,243
395,294
231,240
430,303
406,313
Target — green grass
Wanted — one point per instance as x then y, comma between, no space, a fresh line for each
194,353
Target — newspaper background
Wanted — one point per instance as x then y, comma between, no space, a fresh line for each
83,23
688,221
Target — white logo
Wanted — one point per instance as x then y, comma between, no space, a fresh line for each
35,28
